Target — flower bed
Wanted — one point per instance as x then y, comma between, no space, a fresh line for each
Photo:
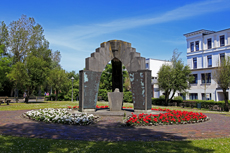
102,106
76,107
60,116
170,117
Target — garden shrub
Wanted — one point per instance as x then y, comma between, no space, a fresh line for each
103,94
157,101
128,97
178,98
208,103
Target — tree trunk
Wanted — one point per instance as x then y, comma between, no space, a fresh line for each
166,98
12,92
56,97
172,96
226,100
27,97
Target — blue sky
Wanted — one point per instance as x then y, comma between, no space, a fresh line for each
155,28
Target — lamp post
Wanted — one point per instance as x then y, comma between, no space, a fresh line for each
72,88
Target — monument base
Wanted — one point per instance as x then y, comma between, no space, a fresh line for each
87,110
142,111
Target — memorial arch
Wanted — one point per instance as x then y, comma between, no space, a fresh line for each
118,52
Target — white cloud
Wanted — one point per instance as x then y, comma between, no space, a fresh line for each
77,37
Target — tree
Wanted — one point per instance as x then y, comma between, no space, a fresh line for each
4,36
174,77
106,78
58,78
221,75
29,75
25,36
5,67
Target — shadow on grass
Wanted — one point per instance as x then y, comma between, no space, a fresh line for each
100,137
34,102
19,144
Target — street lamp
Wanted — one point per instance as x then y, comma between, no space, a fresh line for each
72,88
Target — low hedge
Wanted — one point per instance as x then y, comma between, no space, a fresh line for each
204,103
207,103
160,101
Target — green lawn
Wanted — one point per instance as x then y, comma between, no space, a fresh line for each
21,144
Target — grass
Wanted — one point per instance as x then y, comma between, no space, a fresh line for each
23,144
30,145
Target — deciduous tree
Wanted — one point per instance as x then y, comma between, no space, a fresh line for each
174,77
59,80
29,75
221,75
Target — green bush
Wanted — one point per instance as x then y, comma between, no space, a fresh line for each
157,101
103,94
160,101
68,96
128,97
178,98
208,103
162,97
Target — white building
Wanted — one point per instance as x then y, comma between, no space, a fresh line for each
204,50
154,65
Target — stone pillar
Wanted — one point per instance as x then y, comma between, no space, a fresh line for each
117,81
115,100
88,89
141,90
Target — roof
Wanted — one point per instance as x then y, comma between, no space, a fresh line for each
202,31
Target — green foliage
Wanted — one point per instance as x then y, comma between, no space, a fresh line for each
5,67
103,94
30,75
174,77
162,97
221,75
178,98
128,97
68,96
106,78
59,81
208,103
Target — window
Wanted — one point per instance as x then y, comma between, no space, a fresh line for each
192,46
222,40
209,61
206,77
222,57
147,65
195,63
208,96
193,96
195,79
182,95
197,45
209,43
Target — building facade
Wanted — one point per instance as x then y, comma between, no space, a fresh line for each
154,65
205,49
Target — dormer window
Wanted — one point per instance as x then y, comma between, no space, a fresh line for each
192,46
222,40
197,45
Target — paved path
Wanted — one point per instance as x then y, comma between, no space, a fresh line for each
109,129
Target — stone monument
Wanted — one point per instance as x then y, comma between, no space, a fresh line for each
118,52
115,100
